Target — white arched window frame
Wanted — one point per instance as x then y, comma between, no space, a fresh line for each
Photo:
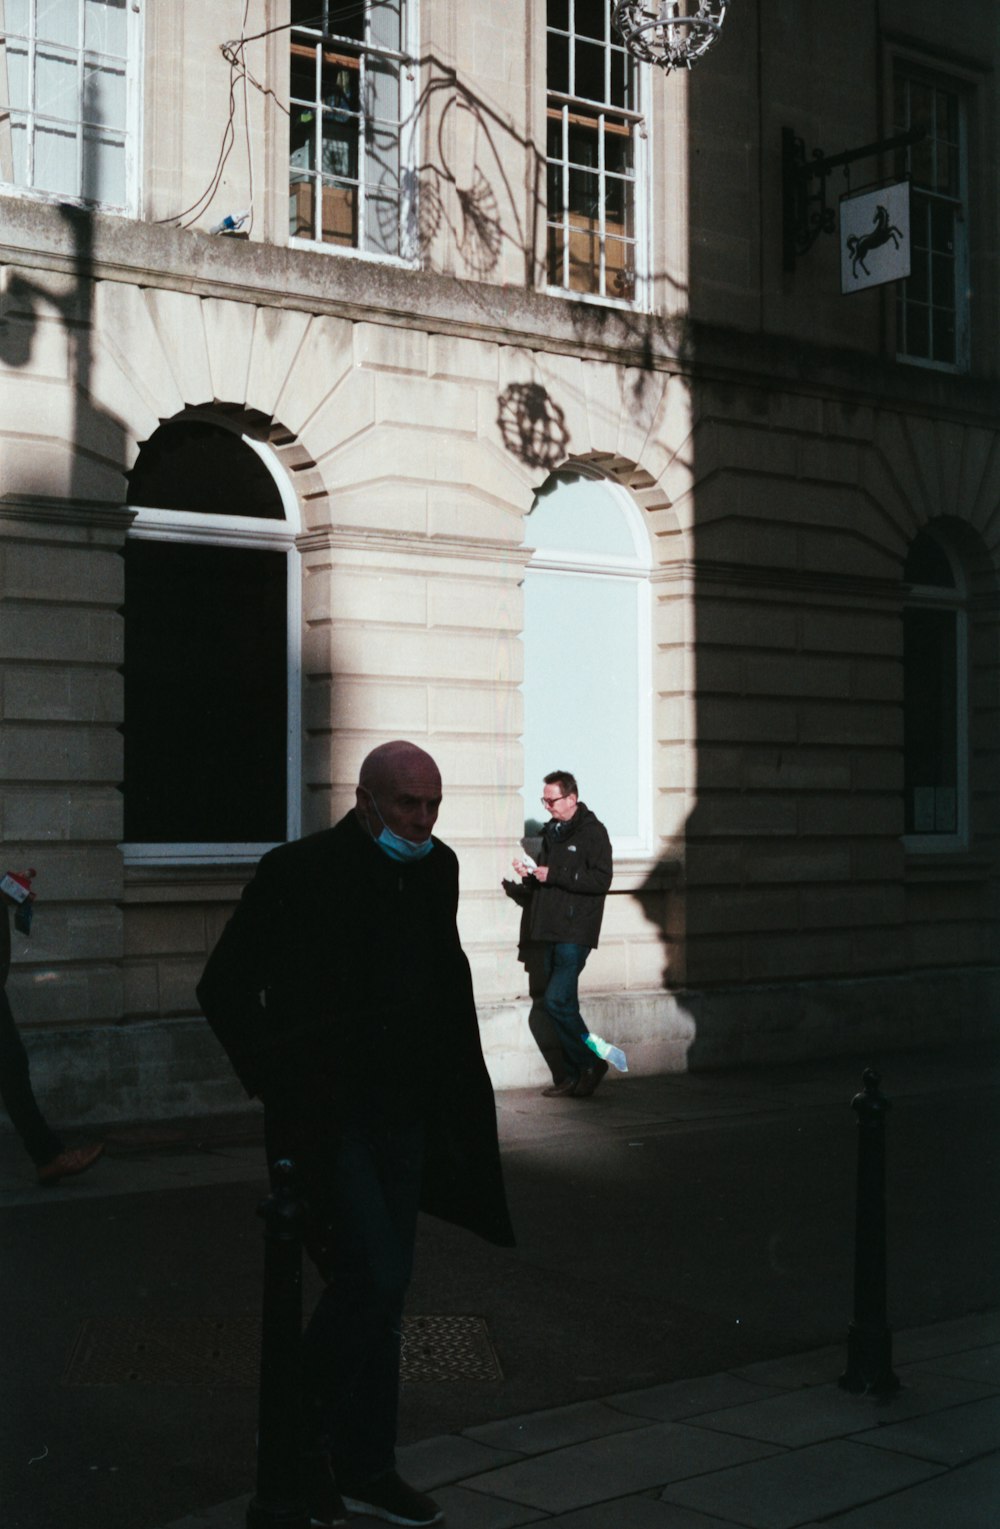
938,826
239,531
559,663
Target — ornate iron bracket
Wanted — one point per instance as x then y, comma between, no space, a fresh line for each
804,211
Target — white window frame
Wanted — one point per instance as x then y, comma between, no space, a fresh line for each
239,531
913,73
934,597
637,569
408,147
642,178
133,116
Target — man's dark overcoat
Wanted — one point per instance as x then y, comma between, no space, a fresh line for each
341,976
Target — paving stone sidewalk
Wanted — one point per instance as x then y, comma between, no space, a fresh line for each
774,1445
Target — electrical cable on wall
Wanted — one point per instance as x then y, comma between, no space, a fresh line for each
232,52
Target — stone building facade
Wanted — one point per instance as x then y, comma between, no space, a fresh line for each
509,398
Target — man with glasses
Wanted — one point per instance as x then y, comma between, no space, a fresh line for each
563,896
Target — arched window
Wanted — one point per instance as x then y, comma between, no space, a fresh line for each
587,653
935,696
212,662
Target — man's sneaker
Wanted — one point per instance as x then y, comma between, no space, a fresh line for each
389,1498
324,1503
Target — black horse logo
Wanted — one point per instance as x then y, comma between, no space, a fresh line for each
880,234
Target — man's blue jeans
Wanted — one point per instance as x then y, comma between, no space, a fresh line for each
563,964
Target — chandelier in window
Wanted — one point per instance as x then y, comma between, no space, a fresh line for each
671,33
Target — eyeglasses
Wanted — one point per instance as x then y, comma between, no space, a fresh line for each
550,801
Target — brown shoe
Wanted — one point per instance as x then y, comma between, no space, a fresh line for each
589,1079
74,1160
564,1086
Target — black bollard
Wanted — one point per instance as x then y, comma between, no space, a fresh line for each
869,1340
278,1503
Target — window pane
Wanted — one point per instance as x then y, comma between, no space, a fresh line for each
930,723
385,18
558,63
301,207
619,268
943,285
14,88
340,148
382,215
583,194
104,96
595,619
555,197
621,79
582,139
943,326
57,21
103,169
928,563
575,514
555,268
17,13
57,85
591,18
202,469
589,81
205,694
55,161
918,282
15,170
104,23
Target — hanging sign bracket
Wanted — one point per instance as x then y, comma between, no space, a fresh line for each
804,211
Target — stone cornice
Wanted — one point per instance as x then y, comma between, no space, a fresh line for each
99,246
694,574
410,544
66,513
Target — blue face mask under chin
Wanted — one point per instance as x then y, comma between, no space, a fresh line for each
395,846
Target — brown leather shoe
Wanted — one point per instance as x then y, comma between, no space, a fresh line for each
74,1160
589,1079
564,1086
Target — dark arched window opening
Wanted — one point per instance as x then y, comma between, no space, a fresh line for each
211,641
935,694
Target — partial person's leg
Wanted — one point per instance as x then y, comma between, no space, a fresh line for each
351,1348
564,962
41,1142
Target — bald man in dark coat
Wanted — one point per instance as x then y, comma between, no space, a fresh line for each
341,993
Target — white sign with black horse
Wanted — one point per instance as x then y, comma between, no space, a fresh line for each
875,237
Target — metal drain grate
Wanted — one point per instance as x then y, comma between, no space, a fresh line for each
183,1351
448,1348
224,1351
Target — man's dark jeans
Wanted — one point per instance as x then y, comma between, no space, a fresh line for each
16,1092
563,964
351,1346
